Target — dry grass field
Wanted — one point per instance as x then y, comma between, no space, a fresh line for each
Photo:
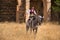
16,31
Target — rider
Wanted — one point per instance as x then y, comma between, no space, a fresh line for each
32,12
29,13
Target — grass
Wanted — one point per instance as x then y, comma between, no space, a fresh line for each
16,31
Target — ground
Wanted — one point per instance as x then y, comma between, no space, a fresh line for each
16,31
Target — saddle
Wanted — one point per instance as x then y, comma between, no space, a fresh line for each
32,18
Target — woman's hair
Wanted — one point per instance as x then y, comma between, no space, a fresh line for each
31,7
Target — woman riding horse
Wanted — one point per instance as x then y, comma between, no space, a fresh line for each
32,21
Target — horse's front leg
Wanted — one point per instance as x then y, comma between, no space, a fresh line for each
35,30
30,30
27,28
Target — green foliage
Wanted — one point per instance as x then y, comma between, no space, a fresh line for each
57,2
56,7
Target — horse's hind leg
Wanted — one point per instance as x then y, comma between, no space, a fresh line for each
33,30
36,30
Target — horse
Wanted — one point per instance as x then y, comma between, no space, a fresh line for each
32,24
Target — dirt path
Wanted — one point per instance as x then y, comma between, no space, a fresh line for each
15,31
